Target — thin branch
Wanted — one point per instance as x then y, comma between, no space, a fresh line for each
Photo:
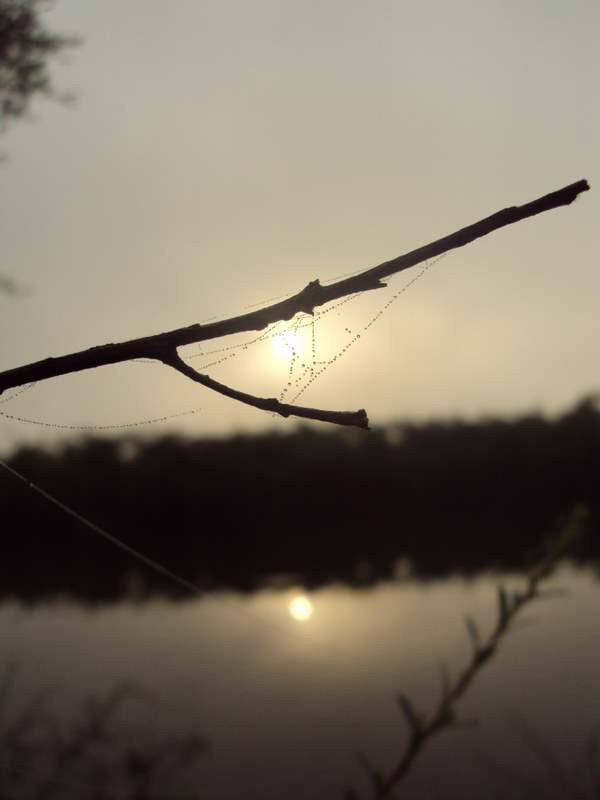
356,418
312,296
421,728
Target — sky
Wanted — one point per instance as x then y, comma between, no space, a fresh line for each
220,154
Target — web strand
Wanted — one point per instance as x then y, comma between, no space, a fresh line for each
341,656
300,375
21,390
313,372
120,427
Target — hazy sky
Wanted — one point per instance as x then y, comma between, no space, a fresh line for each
222,153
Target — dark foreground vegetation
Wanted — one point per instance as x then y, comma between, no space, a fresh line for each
319,505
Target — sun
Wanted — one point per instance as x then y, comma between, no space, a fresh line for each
287,344
300,608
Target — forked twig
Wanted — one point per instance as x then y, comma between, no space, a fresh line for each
422,728
163,346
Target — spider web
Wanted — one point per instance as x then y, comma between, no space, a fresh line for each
303,335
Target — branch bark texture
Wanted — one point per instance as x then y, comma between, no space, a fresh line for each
163,346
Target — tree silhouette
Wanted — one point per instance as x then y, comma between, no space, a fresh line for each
25,48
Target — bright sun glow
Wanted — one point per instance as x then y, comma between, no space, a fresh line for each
300,608
286,344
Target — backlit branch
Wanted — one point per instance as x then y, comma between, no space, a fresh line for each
356,418
161,346
422,728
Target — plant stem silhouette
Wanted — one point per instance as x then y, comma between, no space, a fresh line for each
92,757
422,728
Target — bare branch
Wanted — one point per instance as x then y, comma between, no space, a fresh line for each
414,720
421,728
356,418
473,632
312,296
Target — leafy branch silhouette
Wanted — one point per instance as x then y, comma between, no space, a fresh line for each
26,47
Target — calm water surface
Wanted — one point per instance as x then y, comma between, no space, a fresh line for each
286,703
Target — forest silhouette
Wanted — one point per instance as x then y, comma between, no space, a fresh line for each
439,498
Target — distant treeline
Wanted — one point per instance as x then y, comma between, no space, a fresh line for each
320,505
